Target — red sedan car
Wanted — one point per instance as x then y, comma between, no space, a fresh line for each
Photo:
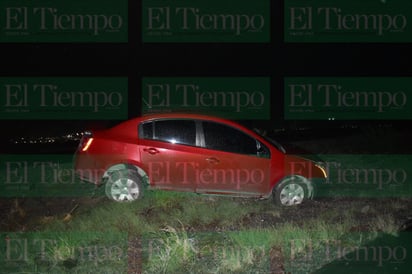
196,153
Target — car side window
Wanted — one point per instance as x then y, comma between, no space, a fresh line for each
171,131
225,138
146,130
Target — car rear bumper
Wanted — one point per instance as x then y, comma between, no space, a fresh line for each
87,168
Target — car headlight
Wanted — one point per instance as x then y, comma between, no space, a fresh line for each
322,168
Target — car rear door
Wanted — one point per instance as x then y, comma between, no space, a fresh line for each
167,153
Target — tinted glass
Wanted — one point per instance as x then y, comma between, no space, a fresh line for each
174,131
225,138
146,131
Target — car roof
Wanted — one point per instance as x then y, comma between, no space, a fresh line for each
178,115
131,123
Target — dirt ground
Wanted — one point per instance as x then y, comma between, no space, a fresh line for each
29,214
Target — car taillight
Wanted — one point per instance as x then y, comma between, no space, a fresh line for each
87,144
86,141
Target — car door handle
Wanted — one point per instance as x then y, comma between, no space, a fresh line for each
212,160
151,150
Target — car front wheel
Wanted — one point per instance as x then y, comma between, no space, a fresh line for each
124,186
291,191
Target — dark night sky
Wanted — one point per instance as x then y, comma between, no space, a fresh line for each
136,60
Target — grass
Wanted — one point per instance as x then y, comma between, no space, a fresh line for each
64,252
245,251
160,209
188,233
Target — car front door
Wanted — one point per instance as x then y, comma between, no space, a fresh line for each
233,162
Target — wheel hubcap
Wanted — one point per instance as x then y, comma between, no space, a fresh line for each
124,190
292,194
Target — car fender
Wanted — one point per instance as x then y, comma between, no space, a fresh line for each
123,166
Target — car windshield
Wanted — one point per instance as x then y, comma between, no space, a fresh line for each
270,140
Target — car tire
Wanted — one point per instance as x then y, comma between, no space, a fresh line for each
124,186
291,191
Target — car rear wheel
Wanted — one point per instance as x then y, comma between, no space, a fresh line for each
291,191
124,186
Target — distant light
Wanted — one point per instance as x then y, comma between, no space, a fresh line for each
173,141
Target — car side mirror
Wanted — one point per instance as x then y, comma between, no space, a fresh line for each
262,150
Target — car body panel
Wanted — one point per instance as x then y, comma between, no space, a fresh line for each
196,167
